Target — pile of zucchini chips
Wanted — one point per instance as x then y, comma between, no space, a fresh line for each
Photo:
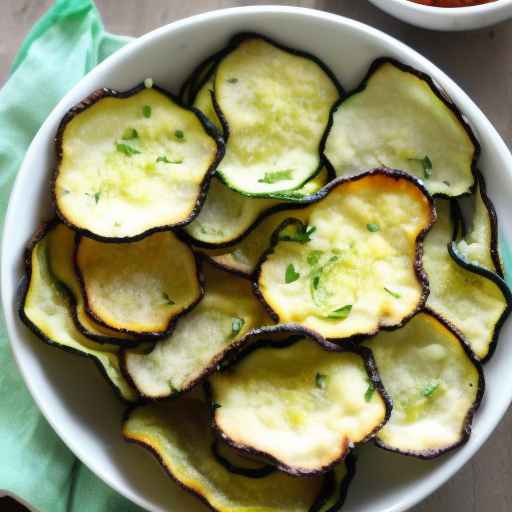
273,271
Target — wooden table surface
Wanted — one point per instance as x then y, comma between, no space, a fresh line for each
481,62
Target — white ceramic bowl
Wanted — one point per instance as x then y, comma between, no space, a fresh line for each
449,19
70,392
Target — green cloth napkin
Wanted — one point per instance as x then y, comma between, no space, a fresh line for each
35,466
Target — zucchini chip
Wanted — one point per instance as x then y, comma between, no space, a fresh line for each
219,322
435,383
353,263
473,300
300,403
178,434
47,311
227,216
275,104
140,287
479,246
132,163
398,118
61,249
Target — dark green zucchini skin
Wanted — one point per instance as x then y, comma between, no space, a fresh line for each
260,472
289,334
466,430
22,291
233,44
350,463
418,265
147,336
437,90
88,102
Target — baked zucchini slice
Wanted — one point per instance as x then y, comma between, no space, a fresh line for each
352,264
138,288
475,301
398,118
178,434
218,323
131,163
479,245
61,251
46,309
300,403
227,216
275,103
435,383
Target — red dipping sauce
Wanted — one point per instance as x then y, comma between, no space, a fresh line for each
452,3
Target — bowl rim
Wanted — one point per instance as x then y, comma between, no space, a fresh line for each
453,12
442,474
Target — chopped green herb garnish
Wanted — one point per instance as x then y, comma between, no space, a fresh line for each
146,111
236,325
427,167
426,163
165,160
302,234
168,300
130,134
126,149
314,257
340,313
320,380
316,281
369,392
447,183
392,293
275,176
179,134
291,274
97,196
372,227
215,406
232,80
430,389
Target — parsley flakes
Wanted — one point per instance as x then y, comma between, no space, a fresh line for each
236,325
340,313
321,380
126,149
291,274
275,176
167,299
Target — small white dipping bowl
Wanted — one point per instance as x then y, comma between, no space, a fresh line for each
69,390
448,19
